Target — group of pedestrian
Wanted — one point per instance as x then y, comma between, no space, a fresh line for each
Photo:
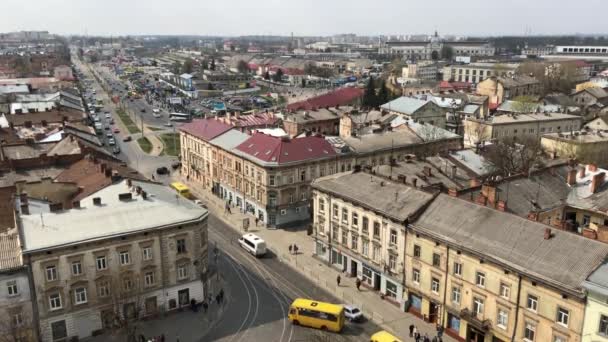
219,298
418,337
160,338
293,249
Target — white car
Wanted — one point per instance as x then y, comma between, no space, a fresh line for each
108,115
111,142
156,110
352,313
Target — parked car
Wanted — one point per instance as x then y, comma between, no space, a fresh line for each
108,115
116,149
169,124
127,138
109,135
143,110
116,130
176,165
162,170
352,313
111,142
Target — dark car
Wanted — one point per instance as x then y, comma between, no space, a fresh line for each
127,138
143,110
176,165
162,170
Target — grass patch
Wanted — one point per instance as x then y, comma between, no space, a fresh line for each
126,120
172,144
145,144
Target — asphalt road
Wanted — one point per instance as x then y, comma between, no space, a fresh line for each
260,292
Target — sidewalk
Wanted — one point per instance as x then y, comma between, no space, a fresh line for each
383,313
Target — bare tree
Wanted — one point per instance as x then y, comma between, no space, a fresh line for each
13,331
125,305
477,132
510,156
525,104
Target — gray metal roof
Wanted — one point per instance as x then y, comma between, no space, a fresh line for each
393,200
404,105
563,261
598,280
230,139
381,141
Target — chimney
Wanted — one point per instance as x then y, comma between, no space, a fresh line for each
144,195
402,178
571,178
581,172
125,196
489,191
453,192
548,234
76,204
129,182
502,205
597,181
592,167
427,171
414,182
25,209
97,201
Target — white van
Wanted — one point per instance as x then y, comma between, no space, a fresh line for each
253,244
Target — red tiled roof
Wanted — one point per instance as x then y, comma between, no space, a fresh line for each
287,71
260,119
340,97
205,129
277,150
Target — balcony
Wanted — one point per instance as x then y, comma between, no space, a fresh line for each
476,319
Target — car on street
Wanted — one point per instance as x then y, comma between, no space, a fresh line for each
116,149
108,115
163,170
111,142
176,165
353,313
156,110
143,110
168,124
109,135
116,130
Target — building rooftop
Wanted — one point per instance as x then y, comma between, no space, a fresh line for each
425,173
339,97
205,129
580,137
598,280
564,260
382,141
230,139
517,81
391,199
271,150
530,117
114,217
405,105
321,114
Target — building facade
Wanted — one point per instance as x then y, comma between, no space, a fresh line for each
477,72
141,255
501,88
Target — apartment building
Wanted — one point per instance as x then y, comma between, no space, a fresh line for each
595,328
477,72
361,230
269,177
586,146
483,274
502,88
519,125
422,110
130,250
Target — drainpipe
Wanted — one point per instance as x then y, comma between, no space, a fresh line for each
331,229
33,299
445,286
517,308
163,268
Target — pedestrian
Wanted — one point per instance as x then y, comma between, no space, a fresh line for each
217,299
411,325
295,249
205,306
290,248
358,285
435,339
426,338
222,295
338,280
162,338
439,331
256,221
417,337
415,330
142,338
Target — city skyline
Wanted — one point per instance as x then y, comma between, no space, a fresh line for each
311,18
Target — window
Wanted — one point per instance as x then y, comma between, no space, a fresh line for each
436,260
376,229
480,279
457,269
559,339
529,332
76,268
365,225
344,215
149,278
51,273
80,295
335,211
376,253
125,259
502,319
127,284
103,288
302,175
505,290
392,261
393,237
101,263
55,301
182,272
181,246
271,180
17,321
456,295
562,316
355,219
147,253
603,328
344,236
532,303
416,276
59,330
416,251
353,242
321,205
365,248
12,288
435,285
478,306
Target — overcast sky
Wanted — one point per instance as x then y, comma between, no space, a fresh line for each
304,17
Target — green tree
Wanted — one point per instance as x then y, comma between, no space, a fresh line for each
210,86
188,66
383,95
212,65
176,67
447,52
370,99
242,67
303,83
434,55
278,76
204,64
